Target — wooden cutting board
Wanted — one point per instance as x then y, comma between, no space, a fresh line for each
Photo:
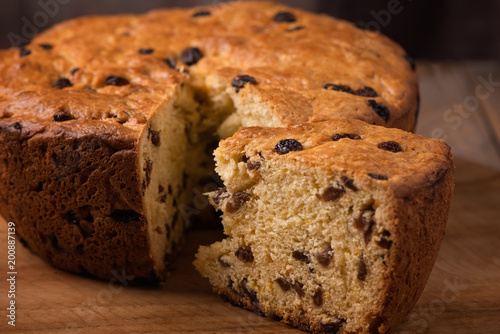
462,295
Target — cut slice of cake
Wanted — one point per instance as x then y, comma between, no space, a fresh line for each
332,226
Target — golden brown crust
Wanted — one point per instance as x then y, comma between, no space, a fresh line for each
291,67
419,163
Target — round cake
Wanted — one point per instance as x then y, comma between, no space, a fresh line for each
106,122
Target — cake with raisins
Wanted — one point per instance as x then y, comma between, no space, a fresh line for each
332,226
106,121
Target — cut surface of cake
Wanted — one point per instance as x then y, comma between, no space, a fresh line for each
106,121
332,226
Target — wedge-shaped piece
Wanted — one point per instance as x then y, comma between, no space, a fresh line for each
333,226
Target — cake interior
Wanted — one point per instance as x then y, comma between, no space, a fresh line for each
299,242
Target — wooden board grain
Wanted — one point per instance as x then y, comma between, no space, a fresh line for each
462,295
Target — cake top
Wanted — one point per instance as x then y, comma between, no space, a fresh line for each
119,69
368,153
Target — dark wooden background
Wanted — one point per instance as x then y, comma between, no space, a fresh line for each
428,29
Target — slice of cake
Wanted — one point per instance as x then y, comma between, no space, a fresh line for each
331,227
106,122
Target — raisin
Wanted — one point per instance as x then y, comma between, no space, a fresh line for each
249,292
365,224
73,71
148,168
349,183
378,176
146,51
191,56
352,136
325,257
163,198
46,46
241,80
390,146
332,327
299,288
23,52
126,216
154,136
237,201
62,83
301,256
368,231
318,296
287,145
223,263
170,62
161,189
283,283
114,80
63,116
253,166
331,193
217,198
410,61
284,17
338,88
381,110
384,240
244,255
362,269
201,13
366,92
296,28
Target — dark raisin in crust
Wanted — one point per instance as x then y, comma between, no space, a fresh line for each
23,52
381,110
339,88
390,146
146,51
288,145
284,17
63,116
366,92
46,46
241,80
170,62
191,56
114,80
202,13
62,83
378,176
346,135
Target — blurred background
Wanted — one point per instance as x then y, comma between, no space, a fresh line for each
430,29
